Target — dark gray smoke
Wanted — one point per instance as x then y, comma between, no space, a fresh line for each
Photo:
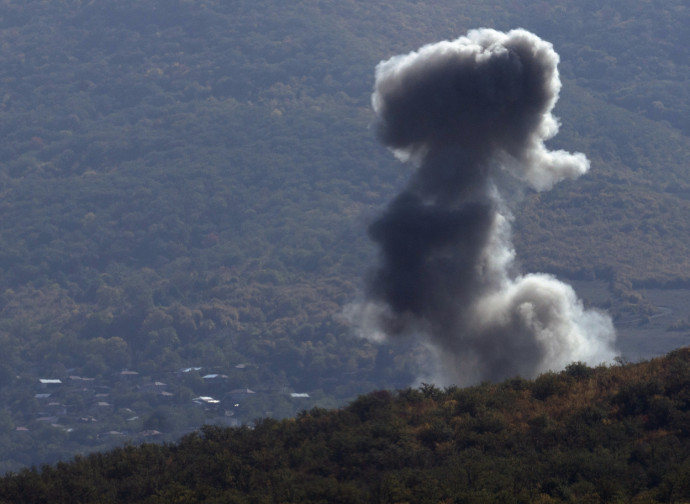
473,114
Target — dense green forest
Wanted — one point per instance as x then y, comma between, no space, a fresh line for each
616,434
186,186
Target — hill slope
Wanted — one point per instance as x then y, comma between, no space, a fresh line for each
615,434
187,185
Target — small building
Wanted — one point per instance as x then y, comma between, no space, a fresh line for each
85,384
80,379
56,408
208,402
49,382
51,419
241,393
149,433
189,370
205,400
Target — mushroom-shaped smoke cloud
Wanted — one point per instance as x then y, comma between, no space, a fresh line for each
473,114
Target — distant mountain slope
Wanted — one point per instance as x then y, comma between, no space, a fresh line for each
628,217
187,184
105,84
616,434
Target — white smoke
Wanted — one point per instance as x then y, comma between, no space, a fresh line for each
473,115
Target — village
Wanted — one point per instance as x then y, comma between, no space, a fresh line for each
133,407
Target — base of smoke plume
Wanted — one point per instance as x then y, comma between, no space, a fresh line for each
531,325
521,325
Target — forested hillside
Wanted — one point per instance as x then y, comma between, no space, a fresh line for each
617,434
186,187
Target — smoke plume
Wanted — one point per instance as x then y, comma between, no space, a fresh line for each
472,115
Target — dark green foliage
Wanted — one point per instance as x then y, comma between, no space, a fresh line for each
578,370
636,398
413,446
548,384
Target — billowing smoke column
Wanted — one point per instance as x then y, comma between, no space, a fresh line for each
472,114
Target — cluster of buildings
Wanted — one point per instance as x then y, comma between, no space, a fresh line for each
129,404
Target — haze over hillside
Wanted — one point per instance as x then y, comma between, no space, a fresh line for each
188,184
